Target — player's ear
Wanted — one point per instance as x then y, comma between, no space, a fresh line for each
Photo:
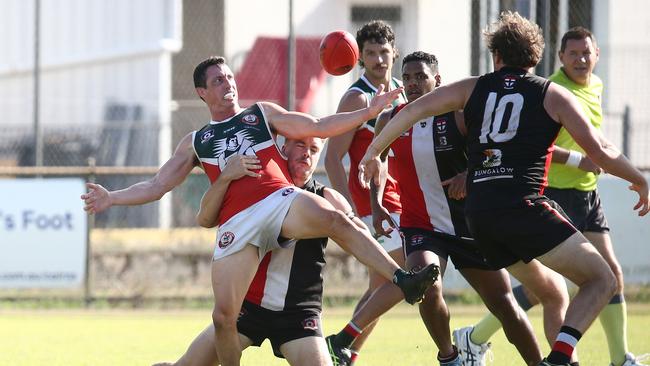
438,80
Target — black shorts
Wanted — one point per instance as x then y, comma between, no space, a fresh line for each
506,236
462,251
583,208
280,327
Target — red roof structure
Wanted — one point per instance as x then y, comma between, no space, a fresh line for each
263,77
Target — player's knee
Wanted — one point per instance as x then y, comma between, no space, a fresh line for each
618,274
433,297
336,221
223,318
608,282
503,306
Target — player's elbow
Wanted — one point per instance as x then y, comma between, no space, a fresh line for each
204,221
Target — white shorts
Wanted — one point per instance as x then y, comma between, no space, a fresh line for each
258,225
393,241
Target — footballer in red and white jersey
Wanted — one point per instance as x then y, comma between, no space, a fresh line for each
246,133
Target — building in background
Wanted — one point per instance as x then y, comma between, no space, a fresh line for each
116,76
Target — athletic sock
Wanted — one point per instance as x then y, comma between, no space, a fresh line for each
353,357
564,344
613,318
489,325
347,335
485,329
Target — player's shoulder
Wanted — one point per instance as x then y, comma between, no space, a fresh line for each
352,100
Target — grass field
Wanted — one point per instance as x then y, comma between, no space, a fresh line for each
141,337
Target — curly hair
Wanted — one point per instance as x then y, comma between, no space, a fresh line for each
424,57
376,31
517,40
201,68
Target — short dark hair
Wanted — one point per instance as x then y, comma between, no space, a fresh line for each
576,33
517,40
421,56
201,68
376,31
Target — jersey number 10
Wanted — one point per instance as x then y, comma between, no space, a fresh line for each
517,101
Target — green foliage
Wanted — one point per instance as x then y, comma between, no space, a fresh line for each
142,337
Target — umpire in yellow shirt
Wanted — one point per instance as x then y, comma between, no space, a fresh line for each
573,176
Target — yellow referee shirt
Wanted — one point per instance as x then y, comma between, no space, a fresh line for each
564,176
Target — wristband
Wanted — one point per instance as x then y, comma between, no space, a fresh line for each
574,159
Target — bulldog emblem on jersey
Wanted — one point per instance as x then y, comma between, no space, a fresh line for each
311,324
226,239
239,143
509,82
250,119
492,158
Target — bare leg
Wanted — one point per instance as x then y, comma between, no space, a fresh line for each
375,280
201,351
231,277
494,288
595,280
311,216
308,351
433,309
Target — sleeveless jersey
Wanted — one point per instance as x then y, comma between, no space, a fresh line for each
360,142
431,151
510,138
292,278
565,176
246,133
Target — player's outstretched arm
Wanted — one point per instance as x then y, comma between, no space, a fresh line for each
444,99
171,174
237,166
379,213
296,125
563,106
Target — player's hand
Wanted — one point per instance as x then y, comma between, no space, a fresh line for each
239,166
97,199
643,204
380,216
383,100
369,168
456,186
588,165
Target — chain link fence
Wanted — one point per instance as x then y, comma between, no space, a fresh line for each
128,101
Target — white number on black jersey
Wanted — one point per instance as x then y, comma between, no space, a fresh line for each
517,101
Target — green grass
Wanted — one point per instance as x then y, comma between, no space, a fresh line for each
141,337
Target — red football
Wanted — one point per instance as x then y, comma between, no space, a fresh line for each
338,52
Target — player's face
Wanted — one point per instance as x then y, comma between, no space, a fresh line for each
377,59
221,88
418,79
302,156
579,59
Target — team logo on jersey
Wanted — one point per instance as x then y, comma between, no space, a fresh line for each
250,119
207,135
226,239
509,81
441,125
311,324
287,192
417,240
241,142
492,158
423,124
